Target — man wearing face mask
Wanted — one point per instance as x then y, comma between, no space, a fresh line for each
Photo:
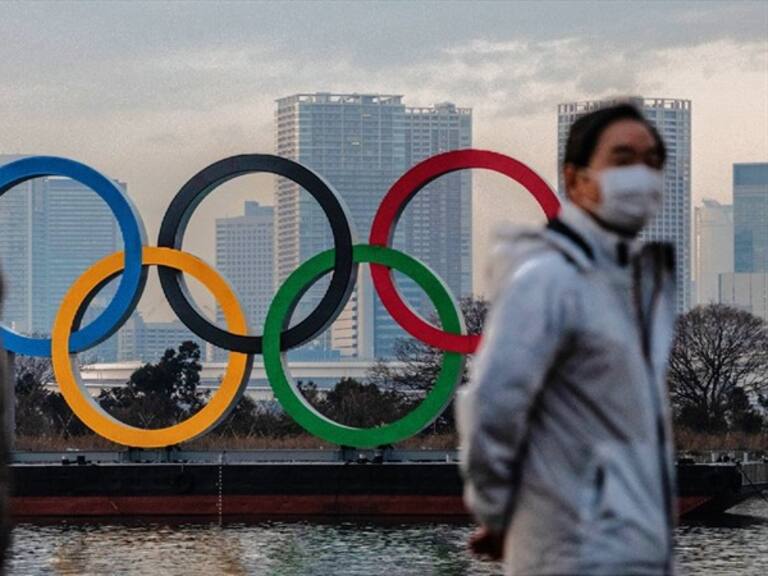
564,426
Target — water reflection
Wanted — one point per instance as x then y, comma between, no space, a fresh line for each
735,544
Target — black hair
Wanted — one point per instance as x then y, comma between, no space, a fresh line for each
586,131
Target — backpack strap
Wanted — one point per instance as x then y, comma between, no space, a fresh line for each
560,227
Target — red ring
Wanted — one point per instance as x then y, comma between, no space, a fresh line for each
397,199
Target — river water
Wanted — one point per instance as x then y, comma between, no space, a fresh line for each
735,544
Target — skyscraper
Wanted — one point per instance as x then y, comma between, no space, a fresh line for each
357,143
712,248
440,231
245,257
672,118
750,217
51,230
361,143
747,286
15,252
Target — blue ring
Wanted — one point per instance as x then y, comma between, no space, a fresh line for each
132,279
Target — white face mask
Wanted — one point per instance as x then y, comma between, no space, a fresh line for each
631,196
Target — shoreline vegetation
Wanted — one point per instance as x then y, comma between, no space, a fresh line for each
216,442
718,384
688,442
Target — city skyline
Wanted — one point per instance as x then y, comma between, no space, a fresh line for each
690,268
731,244
155,115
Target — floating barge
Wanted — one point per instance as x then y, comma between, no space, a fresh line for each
274,483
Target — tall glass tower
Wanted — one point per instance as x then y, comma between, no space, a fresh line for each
750,217
51,231
361,143
16,253
245,256
440,231
672,118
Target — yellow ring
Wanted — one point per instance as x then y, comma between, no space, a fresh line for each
85,406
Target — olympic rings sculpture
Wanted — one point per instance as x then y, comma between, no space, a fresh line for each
68,337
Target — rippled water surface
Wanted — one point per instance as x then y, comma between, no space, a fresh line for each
736,544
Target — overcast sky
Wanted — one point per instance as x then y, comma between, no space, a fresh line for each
151,93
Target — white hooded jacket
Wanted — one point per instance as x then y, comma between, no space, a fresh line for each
565,425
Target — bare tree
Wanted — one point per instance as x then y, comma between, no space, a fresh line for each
31,375
39,410
719,358
420,364
32,369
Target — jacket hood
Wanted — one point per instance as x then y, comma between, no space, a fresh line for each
586,244
512,245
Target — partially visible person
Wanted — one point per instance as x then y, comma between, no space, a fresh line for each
565,424
4,441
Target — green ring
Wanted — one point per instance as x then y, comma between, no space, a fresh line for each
288,394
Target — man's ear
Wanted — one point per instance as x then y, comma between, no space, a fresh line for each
570,176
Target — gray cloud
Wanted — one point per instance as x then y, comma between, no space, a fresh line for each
372,33
145,55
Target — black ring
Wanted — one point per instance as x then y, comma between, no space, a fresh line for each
199,186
